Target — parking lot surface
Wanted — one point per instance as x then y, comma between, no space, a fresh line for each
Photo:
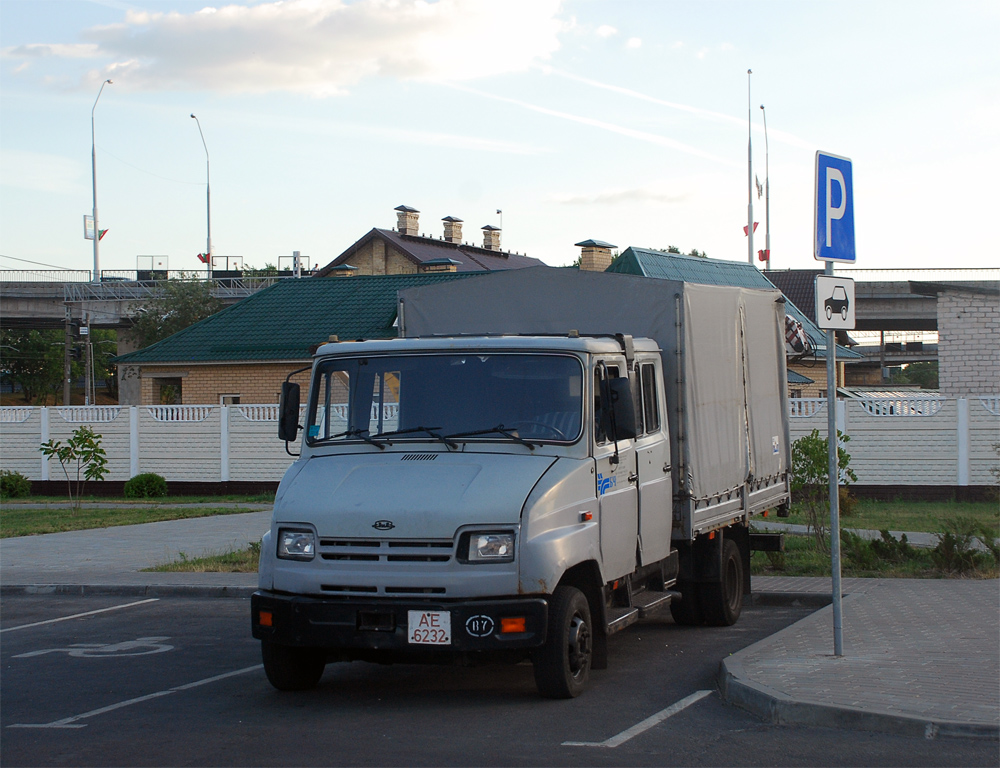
144,681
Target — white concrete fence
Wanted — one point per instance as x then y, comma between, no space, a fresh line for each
894,441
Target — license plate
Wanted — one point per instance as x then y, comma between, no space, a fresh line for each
429,627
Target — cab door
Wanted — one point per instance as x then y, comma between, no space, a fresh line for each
652,449
617,490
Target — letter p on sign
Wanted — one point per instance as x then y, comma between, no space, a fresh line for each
833,213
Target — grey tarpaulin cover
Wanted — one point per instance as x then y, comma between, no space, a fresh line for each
729,414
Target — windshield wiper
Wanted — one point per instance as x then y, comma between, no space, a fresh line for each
355,432
499,429
432,431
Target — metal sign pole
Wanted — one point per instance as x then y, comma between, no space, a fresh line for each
834,474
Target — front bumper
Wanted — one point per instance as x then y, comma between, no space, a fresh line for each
355,627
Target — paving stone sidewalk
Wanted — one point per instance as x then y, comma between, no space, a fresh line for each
920,656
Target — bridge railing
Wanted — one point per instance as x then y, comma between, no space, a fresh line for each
44,275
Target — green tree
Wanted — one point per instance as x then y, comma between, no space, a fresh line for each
32,360
811,478
923,375
82,451
175,305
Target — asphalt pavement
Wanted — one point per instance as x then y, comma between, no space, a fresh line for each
920,657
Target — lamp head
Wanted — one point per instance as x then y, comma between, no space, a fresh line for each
192,115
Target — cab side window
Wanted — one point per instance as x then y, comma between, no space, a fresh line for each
650,398
600,372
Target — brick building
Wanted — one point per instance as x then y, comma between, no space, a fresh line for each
404,251
968,321
243,353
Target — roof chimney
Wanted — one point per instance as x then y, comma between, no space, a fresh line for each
491,238
452,229
407,220
596,255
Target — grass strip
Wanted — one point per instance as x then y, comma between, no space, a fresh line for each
922,516
32,522
234,561
802,558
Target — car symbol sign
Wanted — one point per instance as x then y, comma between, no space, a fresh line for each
383,525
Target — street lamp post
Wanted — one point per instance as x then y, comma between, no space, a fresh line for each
208,197
767,195
96,277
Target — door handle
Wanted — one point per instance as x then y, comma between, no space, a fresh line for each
666,468
633,477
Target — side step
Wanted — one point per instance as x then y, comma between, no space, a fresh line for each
646,603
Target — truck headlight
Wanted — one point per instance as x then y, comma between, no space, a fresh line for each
487,547
296,544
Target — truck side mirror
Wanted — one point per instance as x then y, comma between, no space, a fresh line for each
288,411
619,410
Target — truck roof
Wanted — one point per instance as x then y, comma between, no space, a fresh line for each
586,344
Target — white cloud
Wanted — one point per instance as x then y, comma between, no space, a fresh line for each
606,30
633,42
40,172
318,47
617,196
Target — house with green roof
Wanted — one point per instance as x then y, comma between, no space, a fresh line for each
806,373
243,353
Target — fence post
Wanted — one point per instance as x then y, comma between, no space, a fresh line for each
45,439
963,441
133,441
224,443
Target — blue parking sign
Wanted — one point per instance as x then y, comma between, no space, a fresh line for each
833,214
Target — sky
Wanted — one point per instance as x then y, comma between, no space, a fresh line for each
624,121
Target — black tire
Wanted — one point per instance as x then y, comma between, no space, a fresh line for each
292,669
562,665
687,610
722,601
829,312
843,313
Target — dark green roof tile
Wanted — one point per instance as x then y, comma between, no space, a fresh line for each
283,321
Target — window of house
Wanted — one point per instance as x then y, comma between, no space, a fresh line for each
169,391
229,399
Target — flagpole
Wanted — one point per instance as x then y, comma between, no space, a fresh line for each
749,177
767,194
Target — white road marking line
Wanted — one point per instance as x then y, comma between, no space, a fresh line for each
71,722
80,615
645,725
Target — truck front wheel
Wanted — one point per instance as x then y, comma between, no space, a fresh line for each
562,665
292,669
722,601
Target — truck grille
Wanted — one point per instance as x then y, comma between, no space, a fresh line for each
387,550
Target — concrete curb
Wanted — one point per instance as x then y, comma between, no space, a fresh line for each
775,707
130,590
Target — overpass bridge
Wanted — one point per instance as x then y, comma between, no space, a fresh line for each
57,298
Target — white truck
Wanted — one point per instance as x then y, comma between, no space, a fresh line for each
542,458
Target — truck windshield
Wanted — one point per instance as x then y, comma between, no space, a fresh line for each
432,396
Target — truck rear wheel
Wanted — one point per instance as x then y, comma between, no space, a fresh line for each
562,665
722,601
292,669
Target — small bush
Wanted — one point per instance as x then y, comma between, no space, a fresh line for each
956,551
148,485
858,551
14,485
